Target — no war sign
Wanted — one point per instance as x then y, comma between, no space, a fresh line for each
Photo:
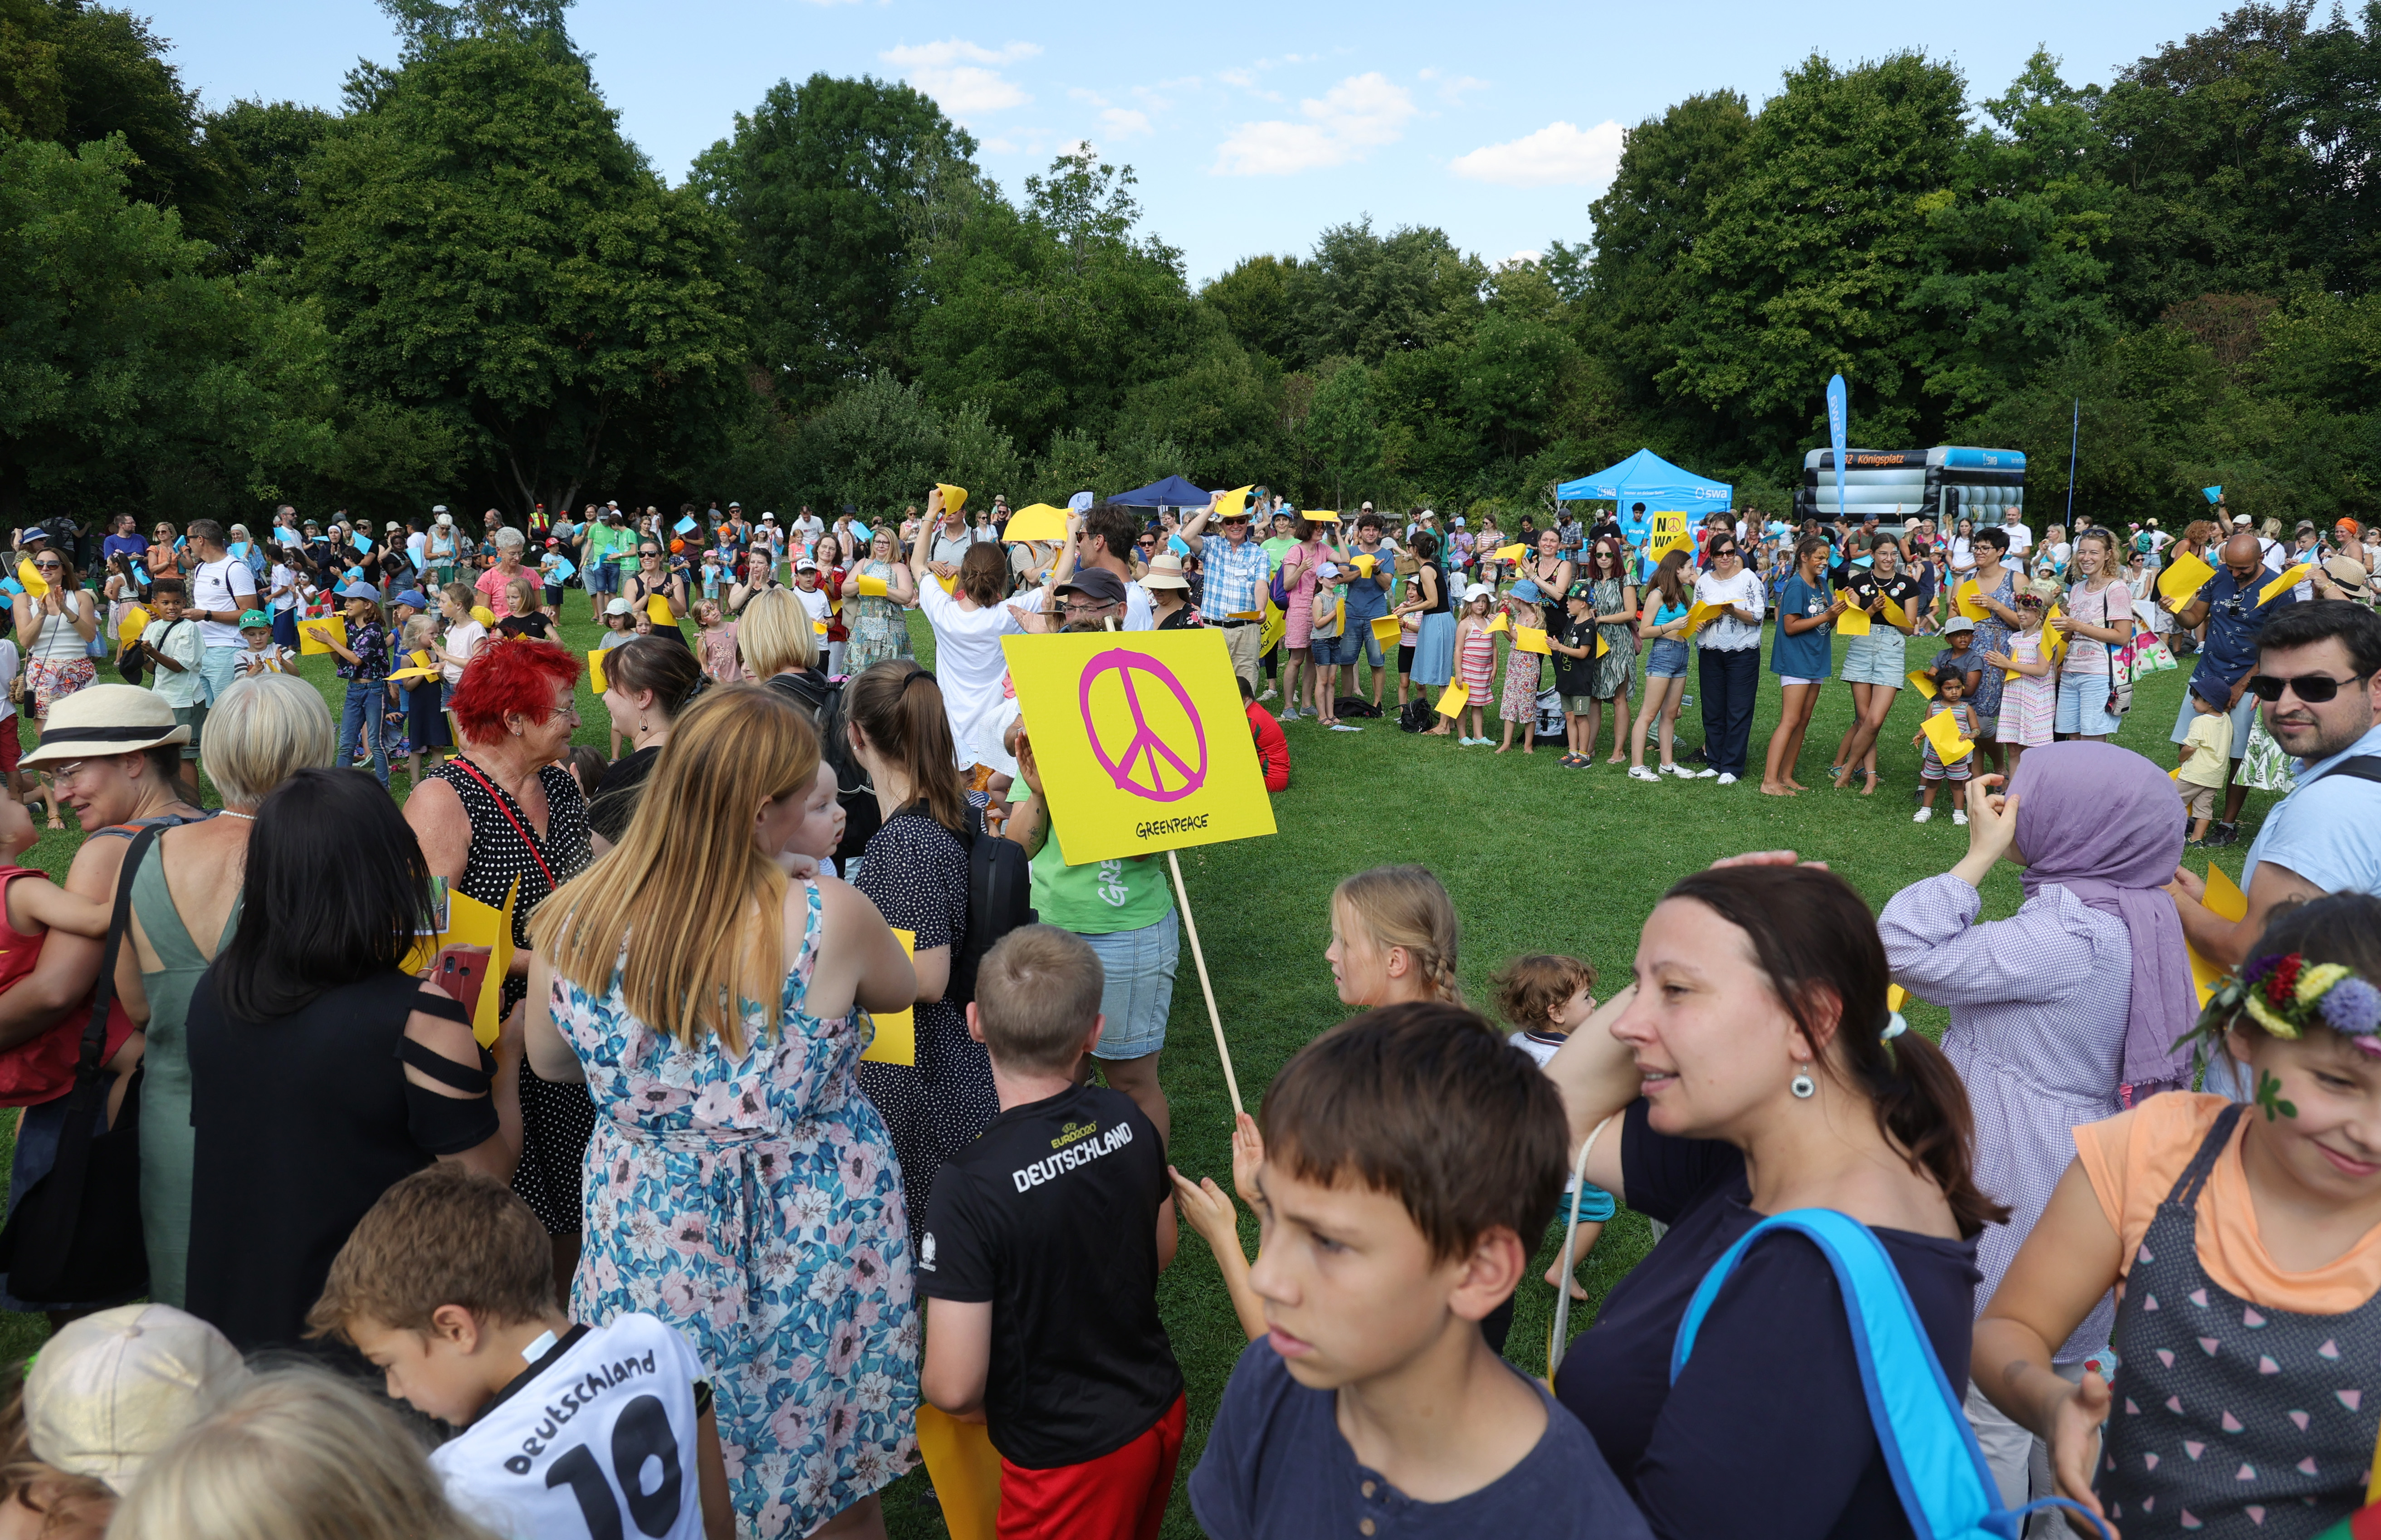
1141,738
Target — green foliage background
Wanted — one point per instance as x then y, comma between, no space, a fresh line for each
467,286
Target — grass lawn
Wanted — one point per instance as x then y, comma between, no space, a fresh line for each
1537,858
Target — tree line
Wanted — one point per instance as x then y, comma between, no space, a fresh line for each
466,286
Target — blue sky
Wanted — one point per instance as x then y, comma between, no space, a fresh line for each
1252,125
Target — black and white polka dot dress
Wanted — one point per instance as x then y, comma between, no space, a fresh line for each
558,1118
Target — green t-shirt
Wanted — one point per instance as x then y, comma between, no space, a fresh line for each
606,542
1098,897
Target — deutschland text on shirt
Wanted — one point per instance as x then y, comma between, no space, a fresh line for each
1090,1146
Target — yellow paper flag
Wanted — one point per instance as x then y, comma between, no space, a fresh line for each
1529,639
871,588
1509,553
1923,682
2183,577
1041,521
485,616
1233,504
1458,696
2223,898
965,1470
1970,603
135,622
1500,623
1942,730
954,497
2288,581
1385,629
1854,621
595,681
658,606
34,585
311,634
896,1031
1363,566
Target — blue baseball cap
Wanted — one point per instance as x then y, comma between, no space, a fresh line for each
357,591
415,597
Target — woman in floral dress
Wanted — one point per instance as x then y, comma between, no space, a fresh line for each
739,1184
880,628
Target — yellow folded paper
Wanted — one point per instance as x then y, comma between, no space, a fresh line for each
1385,629
2183,577
2223,898
1456,697
1500,623
1363,566
896,1031
2284,583
1854,621
36,587
1529,639
1602,646
950,585
821,627
1040,521
485,616
1233,504
1321,516
1896,614
1923,682
470,923
1245,615
1509,553
311,634
595,681
965,1470
135,622
658,608
1697,614
1968,602
954,497
871,588
1942,730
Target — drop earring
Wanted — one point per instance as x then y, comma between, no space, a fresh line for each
1802,1085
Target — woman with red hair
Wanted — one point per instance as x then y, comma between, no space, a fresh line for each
506,811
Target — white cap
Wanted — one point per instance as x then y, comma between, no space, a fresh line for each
2240,518
1478,591
769,517
438,507
1327,570
112,1390
620,606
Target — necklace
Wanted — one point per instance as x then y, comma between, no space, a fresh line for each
229,814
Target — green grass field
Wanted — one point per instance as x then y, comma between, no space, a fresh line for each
1537,858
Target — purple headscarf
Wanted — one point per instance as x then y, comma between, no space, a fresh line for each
2105,824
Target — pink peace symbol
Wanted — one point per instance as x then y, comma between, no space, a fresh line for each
1146,749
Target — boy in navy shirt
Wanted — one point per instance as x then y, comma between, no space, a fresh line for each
1407,1152
1044,1242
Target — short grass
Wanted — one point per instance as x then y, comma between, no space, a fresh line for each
1537,858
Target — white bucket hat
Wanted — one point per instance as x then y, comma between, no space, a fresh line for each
103,719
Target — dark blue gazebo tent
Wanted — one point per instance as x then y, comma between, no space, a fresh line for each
1171,492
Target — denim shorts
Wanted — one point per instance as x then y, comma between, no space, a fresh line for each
1138,991
1666,659
2083,705
1332,651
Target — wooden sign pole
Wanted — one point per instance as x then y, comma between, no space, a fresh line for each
1215,1018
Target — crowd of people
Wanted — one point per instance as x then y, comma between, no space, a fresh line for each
635,1207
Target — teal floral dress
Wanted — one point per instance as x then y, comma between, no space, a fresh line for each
880,628
754,1204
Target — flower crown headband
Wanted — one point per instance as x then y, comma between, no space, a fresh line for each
2284,996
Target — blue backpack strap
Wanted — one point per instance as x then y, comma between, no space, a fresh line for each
1946,1488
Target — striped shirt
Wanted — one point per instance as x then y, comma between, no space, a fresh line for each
1232,576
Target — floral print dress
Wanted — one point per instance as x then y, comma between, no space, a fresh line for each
754,1204
880,628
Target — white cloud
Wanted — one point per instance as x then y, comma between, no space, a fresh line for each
1361,112
1124,121
1523,258
1560,154
954,73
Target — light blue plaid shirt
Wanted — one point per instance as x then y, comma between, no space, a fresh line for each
1231,576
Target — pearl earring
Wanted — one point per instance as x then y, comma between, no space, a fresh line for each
1802,1085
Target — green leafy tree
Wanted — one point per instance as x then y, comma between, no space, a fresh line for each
1343,426
1255,300
485,245
264,148
1365,295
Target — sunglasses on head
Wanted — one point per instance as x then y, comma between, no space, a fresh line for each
2314,689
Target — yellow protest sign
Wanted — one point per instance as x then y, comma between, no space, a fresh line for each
954,497
1942,730
595,681
2183,577
1384,630
470,923
1509,553
1854,621
1970,603
36,587
1667,532
129,629
896,1031
1452,703
2284,583
312,634
1529,639
1140,740
1502,622
1041,521
868,587
1923,682
2223,897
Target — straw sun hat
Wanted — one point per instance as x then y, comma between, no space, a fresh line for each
103,719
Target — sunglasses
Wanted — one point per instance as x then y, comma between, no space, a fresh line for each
50,566
2314,689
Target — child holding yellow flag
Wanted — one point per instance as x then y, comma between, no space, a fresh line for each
1936,764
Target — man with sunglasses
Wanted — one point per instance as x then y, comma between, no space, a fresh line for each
2318,683
1236,568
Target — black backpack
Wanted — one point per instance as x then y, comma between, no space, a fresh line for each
1417,715
1000,897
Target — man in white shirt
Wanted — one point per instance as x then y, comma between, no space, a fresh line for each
1099,538
222,589
807,528
2020,538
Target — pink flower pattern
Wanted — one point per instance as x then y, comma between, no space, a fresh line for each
755,1204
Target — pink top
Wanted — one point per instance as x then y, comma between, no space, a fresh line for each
719,659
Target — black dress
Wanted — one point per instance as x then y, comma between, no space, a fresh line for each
915,872
558,1117
613,801
302,1123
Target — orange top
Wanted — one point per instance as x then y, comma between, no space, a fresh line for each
2133,1160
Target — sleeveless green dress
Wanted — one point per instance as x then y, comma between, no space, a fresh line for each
165,1139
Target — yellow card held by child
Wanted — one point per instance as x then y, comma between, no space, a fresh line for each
134,624
1942,730
965,1470
1502,622
1923,682
1529,639
312,634
896,1031
1458,696
1895,613
1384,630
1853,621
2183,577
868,587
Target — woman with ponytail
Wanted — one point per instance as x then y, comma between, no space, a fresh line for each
915,871
650,683
1754,1069
2065,1013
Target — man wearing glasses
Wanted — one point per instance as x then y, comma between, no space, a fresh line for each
2318,683
1236,568
221,590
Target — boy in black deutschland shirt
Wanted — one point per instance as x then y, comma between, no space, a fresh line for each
1044,1242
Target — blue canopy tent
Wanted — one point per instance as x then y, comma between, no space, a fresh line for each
1171,492
1645,477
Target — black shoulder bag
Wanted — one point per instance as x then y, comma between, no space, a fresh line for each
75,1234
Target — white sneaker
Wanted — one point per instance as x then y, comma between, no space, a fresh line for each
1958,815
1923,815
1269,694
1704,774
1679,770
1639,772
1726,779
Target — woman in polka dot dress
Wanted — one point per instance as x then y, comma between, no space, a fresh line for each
503,812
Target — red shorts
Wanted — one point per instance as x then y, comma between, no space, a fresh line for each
1121,1496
